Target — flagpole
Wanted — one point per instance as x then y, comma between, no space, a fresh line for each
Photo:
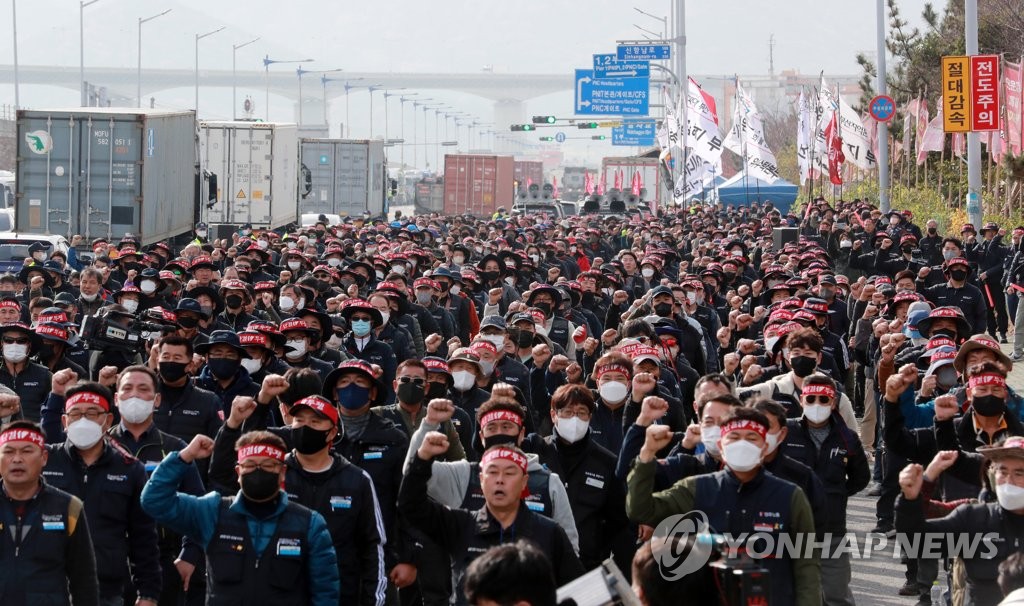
814,144
743,138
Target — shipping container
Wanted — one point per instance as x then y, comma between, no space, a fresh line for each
257,173
528,172
429,196
478,185
106,172
342,176
573,184
650,177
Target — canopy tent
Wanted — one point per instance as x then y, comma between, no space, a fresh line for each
707,189
741,190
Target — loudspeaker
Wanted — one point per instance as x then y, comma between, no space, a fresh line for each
784,235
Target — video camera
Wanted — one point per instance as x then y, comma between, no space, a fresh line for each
112,329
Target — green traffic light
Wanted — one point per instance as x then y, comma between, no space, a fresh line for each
598,137
550,119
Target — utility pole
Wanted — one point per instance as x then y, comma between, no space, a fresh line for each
974,208
771,54
883,126
684,79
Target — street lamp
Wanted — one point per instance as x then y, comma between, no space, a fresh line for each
371,89
415,105
323,82
645,30
14,20
401,121
138,79
234,79
267,62
299,71
198,38
664,21
386,95
81,47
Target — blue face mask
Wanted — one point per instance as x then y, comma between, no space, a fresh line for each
353,397
361,328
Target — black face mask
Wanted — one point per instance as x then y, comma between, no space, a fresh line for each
663,310
958,275
223,368
172,371
45,353
907,250
309,441
521,338
587,299
944,332
187,322
260,485
410,393
436,390
803,366
544,307
499,440
233,301
988,406
932,230
489,276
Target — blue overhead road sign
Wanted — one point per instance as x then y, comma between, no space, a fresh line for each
637,133
610,96
608,66
643,52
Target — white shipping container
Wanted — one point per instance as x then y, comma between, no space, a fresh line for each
346,177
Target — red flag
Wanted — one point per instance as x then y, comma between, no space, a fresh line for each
588,182
554,187
603,185
635,183
834,143
529,182
617,180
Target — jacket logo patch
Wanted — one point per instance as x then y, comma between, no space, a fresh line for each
116,477
596,483
289,548
53,522
535,506
341,503
372,455
190,413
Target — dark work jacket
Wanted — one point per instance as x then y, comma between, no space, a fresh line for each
241,385
121,531
969,298
512,371
54,562
32,385
464,535
379,353
196,411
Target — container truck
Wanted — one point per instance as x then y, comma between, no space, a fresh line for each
529,172
650,177
478,184
106,172
257,174
429,195
343,177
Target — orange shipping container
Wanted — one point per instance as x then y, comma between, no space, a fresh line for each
477,185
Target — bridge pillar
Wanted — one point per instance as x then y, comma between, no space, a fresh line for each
506,113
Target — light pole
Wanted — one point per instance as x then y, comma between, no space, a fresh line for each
664,21
883,128
386,95
645,30
323,82
198,38
426,108
138,79
81,47
348,129
267,62
975,212
401,121
299,71
14,20
415,152
234,77
371,89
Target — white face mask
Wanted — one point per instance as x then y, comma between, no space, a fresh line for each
455,290
845,244
294,265
148,287
647,272
130,304
463,380
286,303
335,342
379,274
385,316
89,298
252,365
301,303
1010,496
399,269
39,256
200,233
773,442
510,280
572,429
292,245
13,352
263,244
613,392
458,259
709,437
135,410
486,367
497,341
741,455
298,349
334,262
691,297
84,434
769,343
817,413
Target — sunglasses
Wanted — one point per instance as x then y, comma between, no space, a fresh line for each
818,400
15,341
414,380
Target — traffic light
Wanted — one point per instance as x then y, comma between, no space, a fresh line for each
582,125
598,137
544,119
547,138
523,127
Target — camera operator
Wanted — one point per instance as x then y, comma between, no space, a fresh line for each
107,335
55,340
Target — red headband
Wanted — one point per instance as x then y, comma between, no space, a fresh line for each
260,450
744,424
23,435
818,390
504,453
986,379
501,415
86,397
10,303
600,372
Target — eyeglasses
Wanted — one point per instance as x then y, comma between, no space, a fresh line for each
818,400
15,341
92,415
270,466
360,318
414,380
567,413
1016,474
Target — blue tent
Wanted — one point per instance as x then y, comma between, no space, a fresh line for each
707,190
741,192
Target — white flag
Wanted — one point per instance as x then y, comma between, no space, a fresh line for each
697,178
803,137
703,135
746,139
856,140
673,128
822,116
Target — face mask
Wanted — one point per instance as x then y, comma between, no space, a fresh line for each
769,343
423,297
572,249
259,485
958,275
252,365
130,304
946,377
309,441
379,274
207,309
497,341
803,366
455,290
845,244
436,390
16,353
1010,496
464,380
200,233
286,303
988,406
499,440
334,262
571,430
523,339
458,259
773,442
88,297
489,276
353,397
45,353
647,272
223,368
944,332
384,317
39,257
663,310
172,371
294,265
613,392
399,269
932,230
233,301
84,434
510,280
535,259
410,393
741,455
360,328
135,410
709,437
817,413
487,367
691,297
298,348
949,254
907,249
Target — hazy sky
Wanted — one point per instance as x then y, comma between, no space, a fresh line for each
528,36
